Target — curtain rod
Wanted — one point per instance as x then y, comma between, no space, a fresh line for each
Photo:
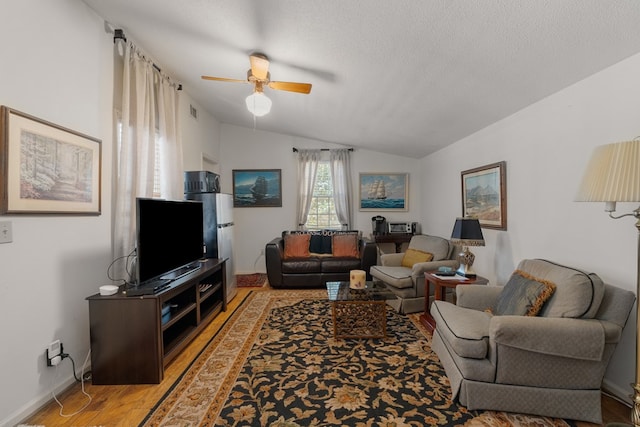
295,150
118,34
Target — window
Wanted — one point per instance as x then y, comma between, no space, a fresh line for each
322,202
322,214
156,168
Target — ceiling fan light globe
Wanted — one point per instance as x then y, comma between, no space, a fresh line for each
258,104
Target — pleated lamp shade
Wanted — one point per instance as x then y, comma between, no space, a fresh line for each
613,174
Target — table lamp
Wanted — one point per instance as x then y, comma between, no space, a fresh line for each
467,232
613,175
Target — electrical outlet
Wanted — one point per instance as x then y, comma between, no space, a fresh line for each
54,353
6,233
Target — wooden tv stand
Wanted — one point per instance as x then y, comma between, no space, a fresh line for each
132,342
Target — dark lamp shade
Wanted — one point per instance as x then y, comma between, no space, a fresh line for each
467,231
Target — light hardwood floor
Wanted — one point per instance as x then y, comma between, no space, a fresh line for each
127,405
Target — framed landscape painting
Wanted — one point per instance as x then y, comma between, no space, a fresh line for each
384,191
484,195
46,168
254,188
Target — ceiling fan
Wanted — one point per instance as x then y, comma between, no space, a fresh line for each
259,76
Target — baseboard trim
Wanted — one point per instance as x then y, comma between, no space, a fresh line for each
38,403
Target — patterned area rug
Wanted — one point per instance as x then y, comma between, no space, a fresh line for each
251,280
275,363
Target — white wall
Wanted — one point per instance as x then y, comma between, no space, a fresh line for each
59,67
243,148
546,147
56,66
200,136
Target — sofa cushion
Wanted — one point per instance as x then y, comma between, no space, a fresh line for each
438,246
339,265
398,277
320,244
466,331
345,245
414,256
578,294
296,245
301,265
523,295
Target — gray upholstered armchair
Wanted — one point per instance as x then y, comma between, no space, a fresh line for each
407,281
549,364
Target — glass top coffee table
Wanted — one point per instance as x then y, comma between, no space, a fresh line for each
359,313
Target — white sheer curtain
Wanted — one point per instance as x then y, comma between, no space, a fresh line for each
339,161
148,125
307,168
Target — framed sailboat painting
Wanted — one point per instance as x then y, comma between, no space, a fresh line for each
384,191
253,188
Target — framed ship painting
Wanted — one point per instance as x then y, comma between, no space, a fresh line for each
384,191
257,188
46,168
484,195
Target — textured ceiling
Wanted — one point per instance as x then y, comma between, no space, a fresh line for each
403,77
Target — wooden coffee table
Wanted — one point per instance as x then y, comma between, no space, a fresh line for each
359,313
441,283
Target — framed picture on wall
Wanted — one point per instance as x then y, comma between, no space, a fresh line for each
46,168
384,192
484,195
256,188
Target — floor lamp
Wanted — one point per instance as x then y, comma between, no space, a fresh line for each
613,175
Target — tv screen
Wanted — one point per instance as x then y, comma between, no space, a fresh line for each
169,235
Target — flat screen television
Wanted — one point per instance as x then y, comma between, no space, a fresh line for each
169,238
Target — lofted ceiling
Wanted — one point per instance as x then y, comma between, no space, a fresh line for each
401,77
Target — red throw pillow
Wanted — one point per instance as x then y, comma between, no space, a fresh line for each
345,245
296,245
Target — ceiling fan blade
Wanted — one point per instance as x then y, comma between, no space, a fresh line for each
291,86
223,79
259,66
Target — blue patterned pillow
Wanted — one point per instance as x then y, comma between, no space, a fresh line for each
523,295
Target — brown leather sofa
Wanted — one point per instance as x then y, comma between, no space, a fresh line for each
314,270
